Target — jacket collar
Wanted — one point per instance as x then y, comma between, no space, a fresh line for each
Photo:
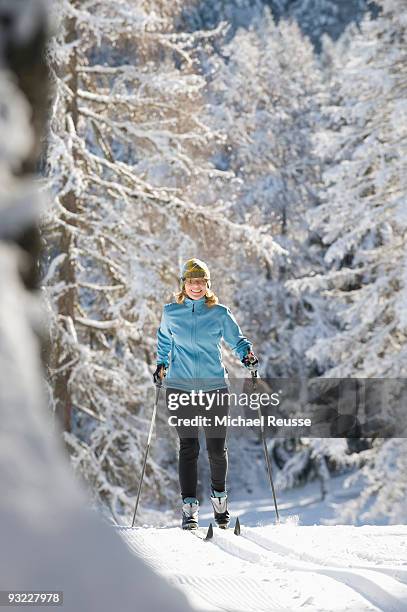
198,304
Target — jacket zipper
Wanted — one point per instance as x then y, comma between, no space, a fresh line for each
194,342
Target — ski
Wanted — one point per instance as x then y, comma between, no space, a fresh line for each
206,537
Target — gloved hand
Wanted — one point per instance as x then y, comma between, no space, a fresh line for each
250,361
159,374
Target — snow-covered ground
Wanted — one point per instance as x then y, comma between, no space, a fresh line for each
299,564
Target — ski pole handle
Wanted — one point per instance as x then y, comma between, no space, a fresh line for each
250,361
159,374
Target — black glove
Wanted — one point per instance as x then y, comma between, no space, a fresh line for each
161,369
250,361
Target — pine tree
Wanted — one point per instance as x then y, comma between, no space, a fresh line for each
265,92
255,100
361,222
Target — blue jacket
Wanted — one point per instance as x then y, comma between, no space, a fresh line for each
188,341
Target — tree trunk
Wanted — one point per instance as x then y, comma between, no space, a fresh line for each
66,303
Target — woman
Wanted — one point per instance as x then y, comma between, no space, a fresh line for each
188,343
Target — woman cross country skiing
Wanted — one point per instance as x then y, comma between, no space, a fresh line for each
188,347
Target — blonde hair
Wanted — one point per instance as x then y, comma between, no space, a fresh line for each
210,298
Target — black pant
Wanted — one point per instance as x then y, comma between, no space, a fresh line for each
189,444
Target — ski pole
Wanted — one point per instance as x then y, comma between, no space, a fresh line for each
268,462
150,433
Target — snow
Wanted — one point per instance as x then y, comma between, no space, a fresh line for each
280,567
265,97
49,539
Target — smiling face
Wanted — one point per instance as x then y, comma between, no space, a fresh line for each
195,288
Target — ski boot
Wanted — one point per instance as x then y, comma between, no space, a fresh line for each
219,501
190,511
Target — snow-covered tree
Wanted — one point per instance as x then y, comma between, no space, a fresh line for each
34,473
382,483
264,93
361,218
362,224
197,15
315,18
127,152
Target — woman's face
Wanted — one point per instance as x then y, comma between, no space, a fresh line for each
195,288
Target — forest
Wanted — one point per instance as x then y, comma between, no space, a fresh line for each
230,132
265,138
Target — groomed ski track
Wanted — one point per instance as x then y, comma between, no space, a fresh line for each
284,567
